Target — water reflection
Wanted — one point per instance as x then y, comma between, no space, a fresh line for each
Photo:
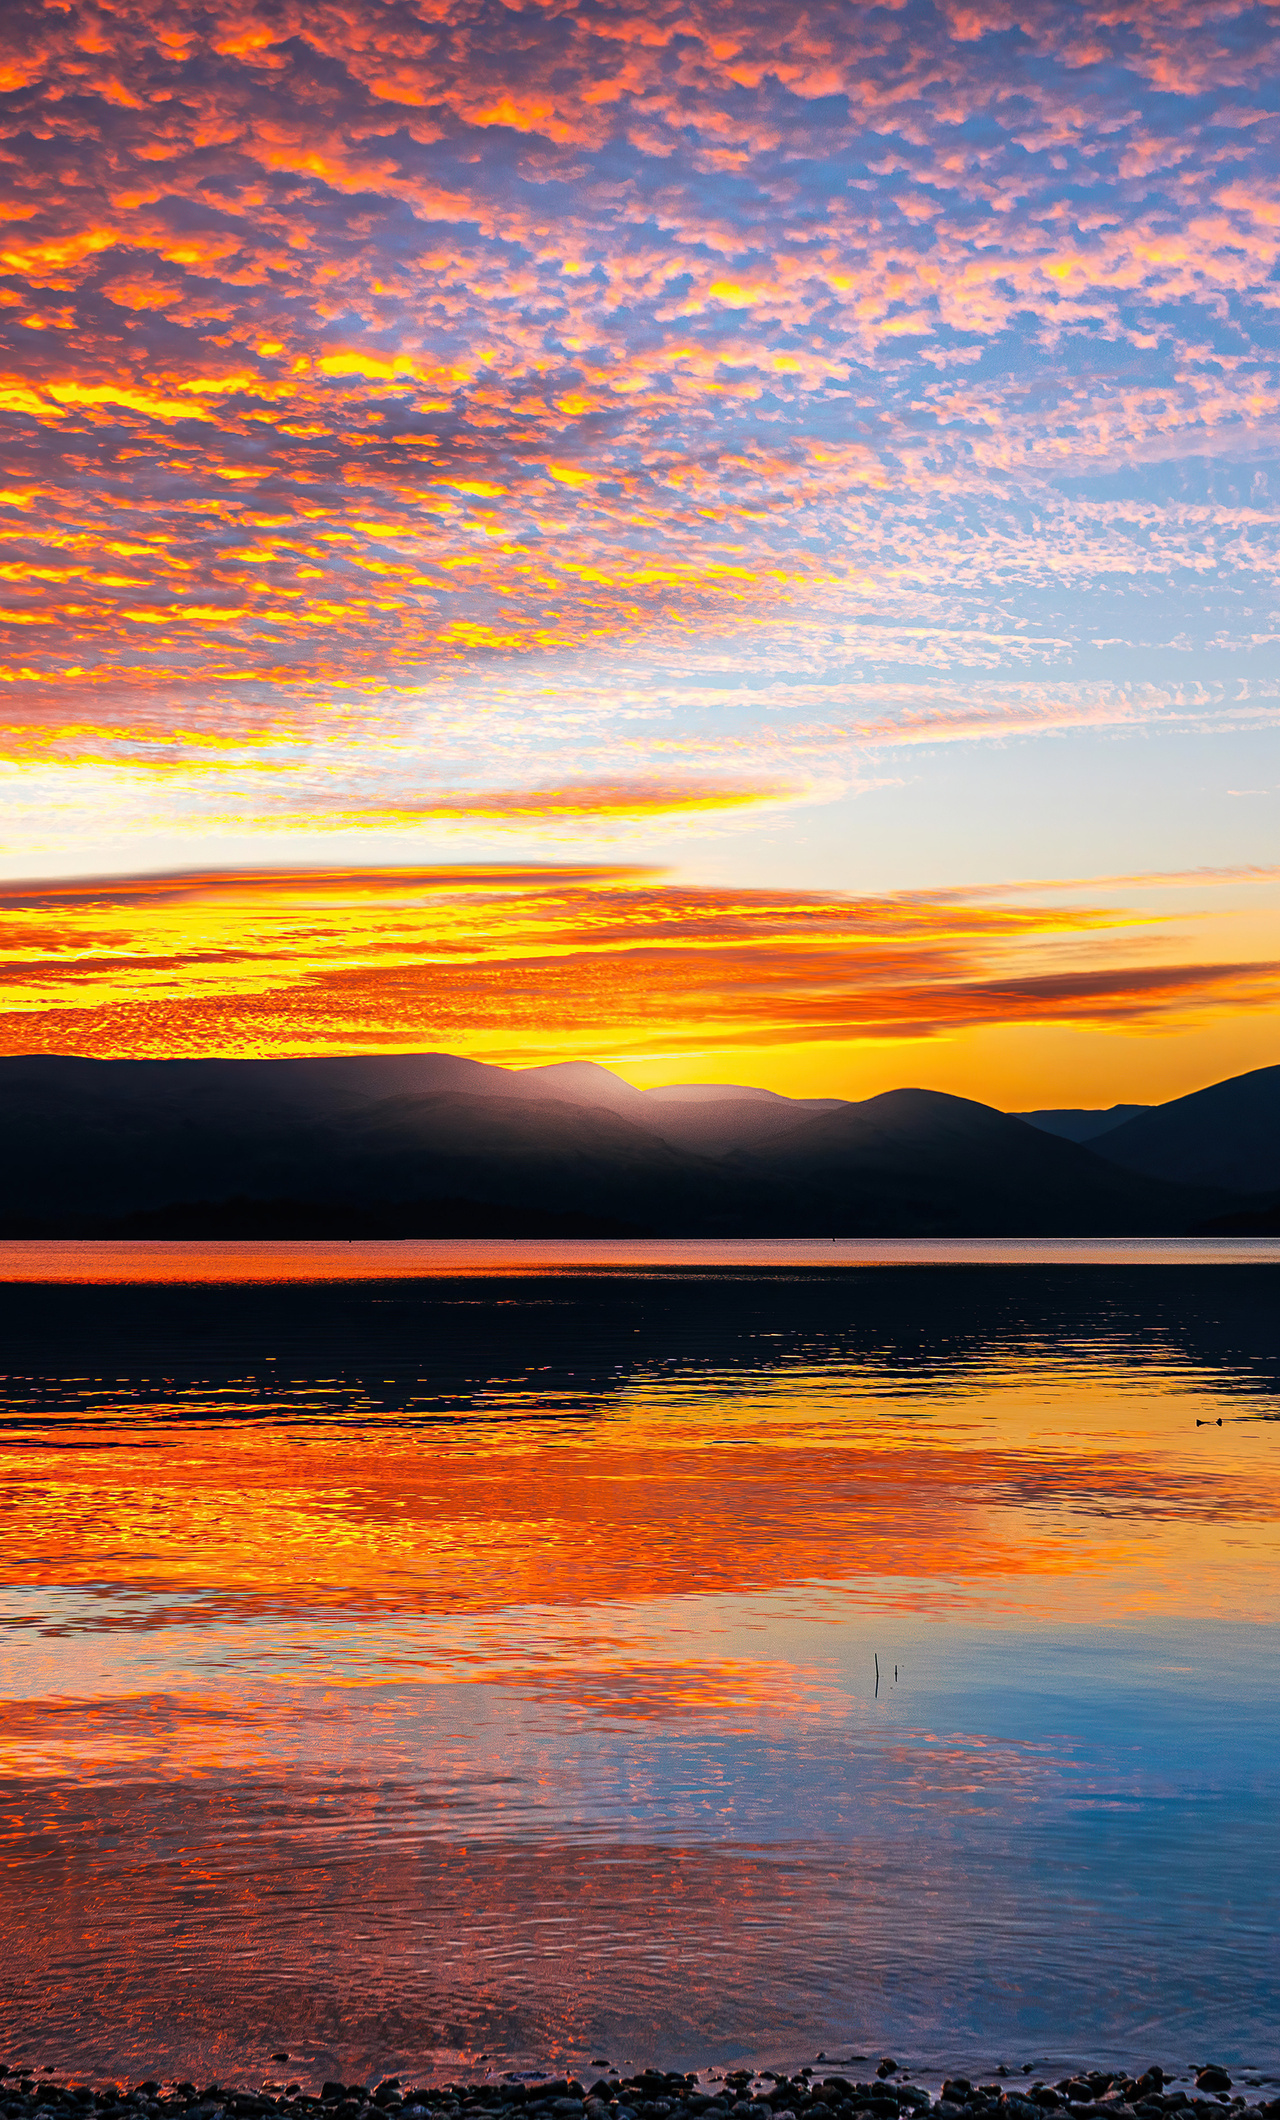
407,1669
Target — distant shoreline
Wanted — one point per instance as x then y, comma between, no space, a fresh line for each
80,1262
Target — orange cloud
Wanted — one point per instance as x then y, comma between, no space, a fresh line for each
535,408
573,802
519,962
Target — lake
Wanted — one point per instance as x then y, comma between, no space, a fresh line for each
436,1658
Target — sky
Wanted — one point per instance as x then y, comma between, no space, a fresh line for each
733,540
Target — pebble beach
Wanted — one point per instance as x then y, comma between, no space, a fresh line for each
655,2094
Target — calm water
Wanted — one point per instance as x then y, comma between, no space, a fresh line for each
702,1654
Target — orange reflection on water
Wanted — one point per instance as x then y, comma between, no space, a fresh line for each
569,1555
553,1678
130,1261
802,1481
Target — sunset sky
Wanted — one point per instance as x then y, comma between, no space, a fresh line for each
736,540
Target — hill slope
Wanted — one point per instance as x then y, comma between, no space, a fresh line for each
431,1142
97,1139
917,1162
1077,1124
1227,1135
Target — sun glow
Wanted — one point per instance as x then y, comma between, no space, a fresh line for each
516,964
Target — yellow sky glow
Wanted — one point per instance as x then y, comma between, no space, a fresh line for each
801,991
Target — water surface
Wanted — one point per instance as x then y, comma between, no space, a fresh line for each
514,1654
341,1259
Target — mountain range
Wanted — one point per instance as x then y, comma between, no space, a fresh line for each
434,1144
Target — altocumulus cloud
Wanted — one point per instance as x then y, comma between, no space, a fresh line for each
369,368
509,962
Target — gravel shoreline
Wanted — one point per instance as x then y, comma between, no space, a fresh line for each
813,2093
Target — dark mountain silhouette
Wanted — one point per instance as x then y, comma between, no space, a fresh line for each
709,1118
712,1119
442,1215
259,1097
917,1162
1078,1124
113,1144
432,1144
1227,1136
1261,1221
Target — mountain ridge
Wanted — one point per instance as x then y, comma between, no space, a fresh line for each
1078,1122
384,1140
1227,1135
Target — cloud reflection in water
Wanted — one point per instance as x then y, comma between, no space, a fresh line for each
499,1676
